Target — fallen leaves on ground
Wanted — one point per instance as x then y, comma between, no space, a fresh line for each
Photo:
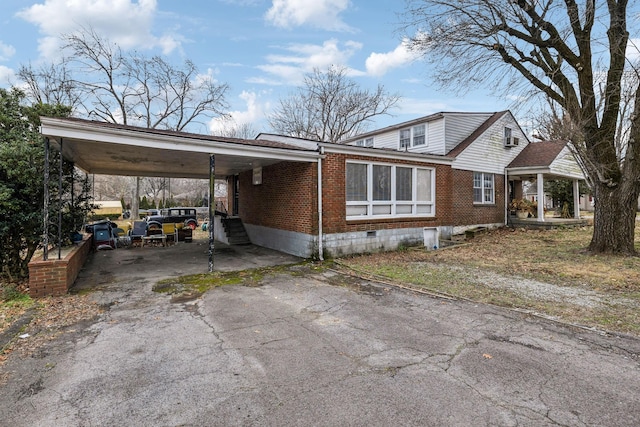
54,316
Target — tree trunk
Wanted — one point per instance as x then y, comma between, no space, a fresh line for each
614,219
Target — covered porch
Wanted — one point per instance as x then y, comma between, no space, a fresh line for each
537,163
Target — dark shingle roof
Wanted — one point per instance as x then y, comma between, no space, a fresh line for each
202,137
541,153
476,134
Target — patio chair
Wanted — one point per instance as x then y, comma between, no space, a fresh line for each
138,231
171,231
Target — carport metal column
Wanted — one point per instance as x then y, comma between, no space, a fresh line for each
45,209
212,198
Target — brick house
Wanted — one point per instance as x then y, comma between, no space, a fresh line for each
444,172
381,189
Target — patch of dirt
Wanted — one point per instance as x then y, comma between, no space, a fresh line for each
54,316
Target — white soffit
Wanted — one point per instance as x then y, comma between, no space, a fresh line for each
139,152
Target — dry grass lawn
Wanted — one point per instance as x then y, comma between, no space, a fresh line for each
543,271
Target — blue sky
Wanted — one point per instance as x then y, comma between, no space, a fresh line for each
261,48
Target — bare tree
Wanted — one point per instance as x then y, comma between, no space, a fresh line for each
50,84
235,130
330,107
134,89
102,82
565,51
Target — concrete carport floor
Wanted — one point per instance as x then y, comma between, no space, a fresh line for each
125,266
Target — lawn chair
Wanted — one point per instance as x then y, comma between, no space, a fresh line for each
138,231
171,231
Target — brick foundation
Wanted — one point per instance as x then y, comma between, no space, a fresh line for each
55,276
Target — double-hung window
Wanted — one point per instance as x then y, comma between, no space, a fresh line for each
483,188
405,138
418,135
377,190
368,142
414,136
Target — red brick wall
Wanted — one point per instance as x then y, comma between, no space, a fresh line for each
333,208
468,213
55,276
286,199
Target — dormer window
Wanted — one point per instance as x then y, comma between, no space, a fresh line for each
414,136
405,138
368,142
418,135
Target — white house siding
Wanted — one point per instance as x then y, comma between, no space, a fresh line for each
488,153
435,138
390,140
566,165
434,130
460,126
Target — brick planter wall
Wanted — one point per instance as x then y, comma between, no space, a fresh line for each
55,276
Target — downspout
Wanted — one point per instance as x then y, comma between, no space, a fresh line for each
320,246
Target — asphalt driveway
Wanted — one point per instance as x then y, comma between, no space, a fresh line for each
310,347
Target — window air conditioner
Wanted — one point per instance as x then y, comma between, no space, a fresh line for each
511,142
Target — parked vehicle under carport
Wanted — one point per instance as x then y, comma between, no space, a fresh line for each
104,235
179,215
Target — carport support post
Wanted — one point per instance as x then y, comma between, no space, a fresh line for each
60,164
212,184
45,212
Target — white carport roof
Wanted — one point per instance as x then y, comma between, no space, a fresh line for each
113,149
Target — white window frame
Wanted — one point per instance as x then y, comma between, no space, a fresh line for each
414,136
419,135
405,138
367,142
508,134
384,209
488,194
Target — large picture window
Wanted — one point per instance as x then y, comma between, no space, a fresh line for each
483,188
376,190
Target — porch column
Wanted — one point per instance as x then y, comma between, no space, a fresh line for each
576,199
540,185
212,212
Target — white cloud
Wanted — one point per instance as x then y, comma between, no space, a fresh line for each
633,50
255,112
125,22
378,64
7,76
422,107
300,59
322,14
6,51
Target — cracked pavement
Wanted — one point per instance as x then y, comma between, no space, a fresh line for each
300,350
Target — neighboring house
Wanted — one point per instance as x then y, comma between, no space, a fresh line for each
108,208
442,174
